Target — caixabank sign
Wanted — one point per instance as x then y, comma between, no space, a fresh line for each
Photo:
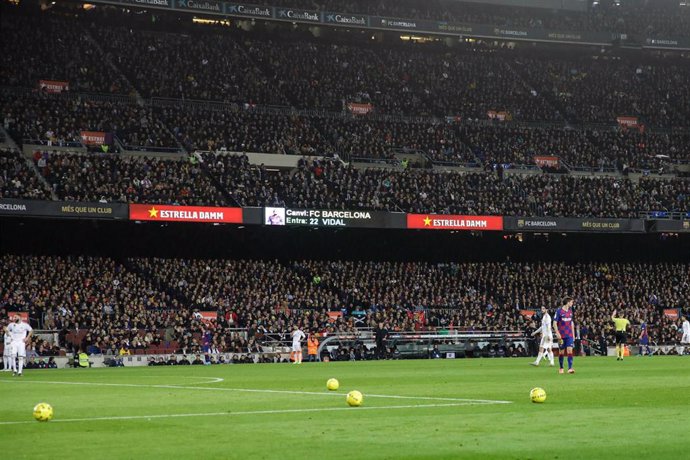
286,12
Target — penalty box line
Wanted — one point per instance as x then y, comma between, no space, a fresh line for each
238,413
257,390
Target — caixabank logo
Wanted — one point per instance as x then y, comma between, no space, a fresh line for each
350,19
205,5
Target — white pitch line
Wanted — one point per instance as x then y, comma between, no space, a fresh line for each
208,380
254,412
255,390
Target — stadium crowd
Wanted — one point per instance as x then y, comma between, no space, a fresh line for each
227,179
50,47
424,98
207,66
58,120
159,304
428,98
172,59
134,179
18,180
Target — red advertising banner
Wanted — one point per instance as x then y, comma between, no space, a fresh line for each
22,314
547,161
630,122
93,137
208,316
359,109
499,115
527,313
453,222
167,213
334,315
671,313
53,86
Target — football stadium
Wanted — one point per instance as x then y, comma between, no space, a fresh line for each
345,229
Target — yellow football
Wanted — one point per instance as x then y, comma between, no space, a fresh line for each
354,398
537,395
43,412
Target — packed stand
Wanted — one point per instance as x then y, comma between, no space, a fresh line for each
467,82
127,179
58,119
56,48
174,65
147,304
490,296
615,148
220,179
244,130
97,296
410,80
263,297
18,179
252,130
669,196
599,90
331,185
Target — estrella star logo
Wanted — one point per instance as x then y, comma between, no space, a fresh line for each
427,221
153,212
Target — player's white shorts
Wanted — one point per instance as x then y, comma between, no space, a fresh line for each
546,343
7,351
296,346
685,339
19,349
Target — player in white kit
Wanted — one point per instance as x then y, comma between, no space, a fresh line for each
20,333
685,340
546,345
7,361
297,337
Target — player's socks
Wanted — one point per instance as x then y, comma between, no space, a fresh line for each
560,361
21,365
570,360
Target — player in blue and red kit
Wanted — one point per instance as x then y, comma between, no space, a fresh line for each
565,331
644,340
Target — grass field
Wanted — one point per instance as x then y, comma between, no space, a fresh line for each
412,409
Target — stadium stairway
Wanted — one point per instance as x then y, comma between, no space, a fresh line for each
229,198
9,142
29,162
546,95
111,64
308,275
133,267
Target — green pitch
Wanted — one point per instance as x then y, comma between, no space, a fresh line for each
412,409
